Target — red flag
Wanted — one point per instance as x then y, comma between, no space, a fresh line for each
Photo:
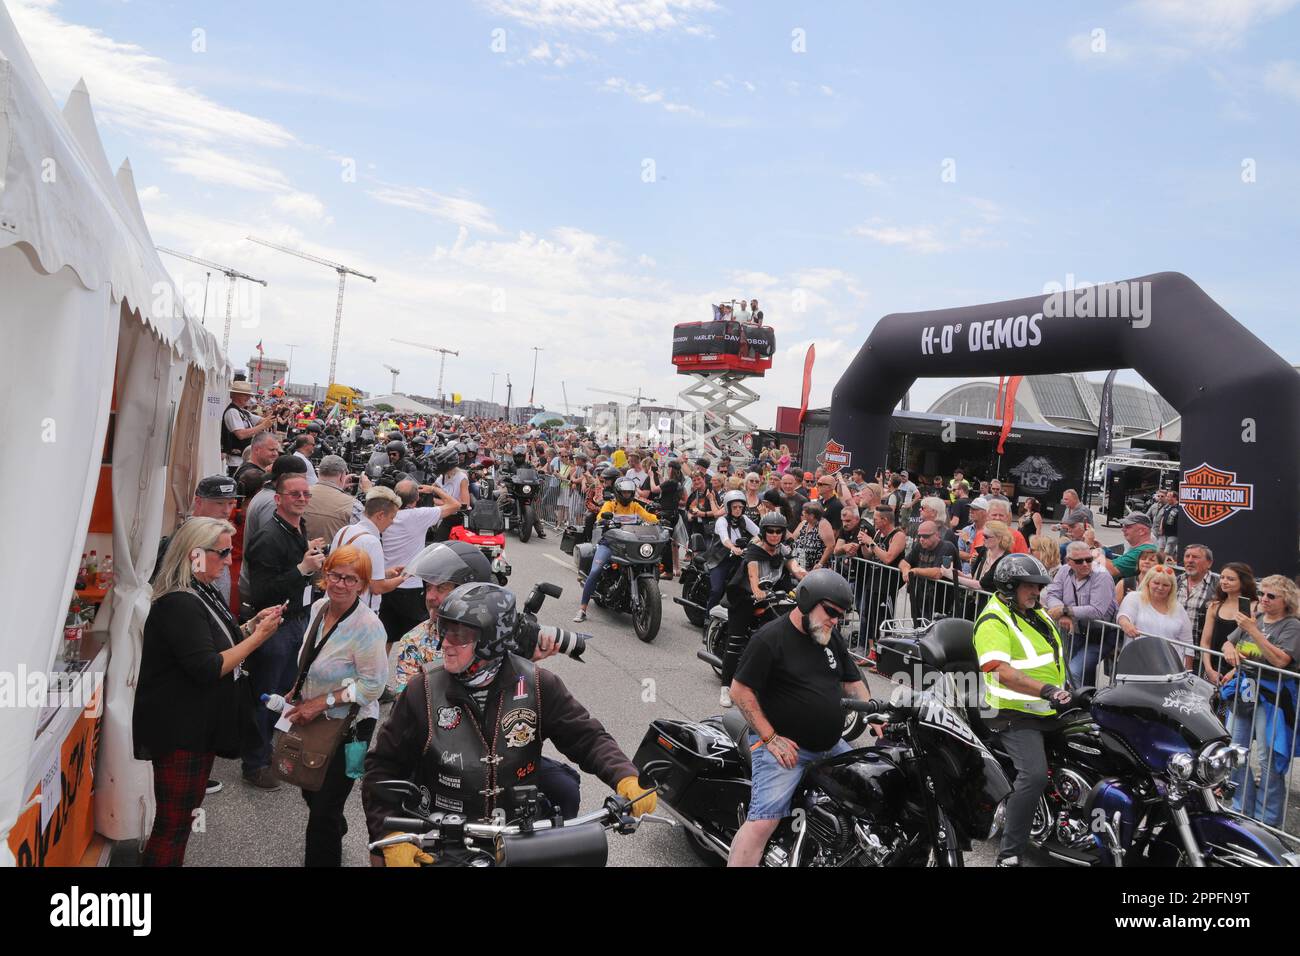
997,408
808,360
1008,410
259,345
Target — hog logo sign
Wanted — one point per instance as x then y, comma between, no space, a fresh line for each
1209,495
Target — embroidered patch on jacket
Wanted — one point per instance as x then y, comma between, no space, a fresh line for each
519,727
448,718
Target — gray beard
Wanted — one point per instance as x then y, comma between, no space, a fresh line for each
822,635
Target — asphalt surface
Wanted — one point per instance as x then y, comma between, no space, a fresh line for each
622,681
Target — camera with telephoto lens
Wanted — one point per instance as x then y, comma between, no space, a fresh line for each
524,639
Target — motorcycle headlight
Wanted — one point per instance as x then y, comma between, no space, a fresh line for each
647,550
527,489
999,817
1217,761
1181,766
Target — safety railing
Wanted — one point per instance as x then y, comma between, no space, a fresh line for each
881,594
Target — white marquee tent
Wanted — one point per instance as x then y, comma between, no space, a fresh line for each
86,303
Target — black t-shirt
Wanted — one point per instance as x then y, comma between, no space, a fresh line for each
670,495
1169,522
918,557
797,501
833,506
797,682
771,567
884,541
960,508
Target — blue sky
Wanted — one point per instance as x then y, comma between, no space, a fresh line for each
500,194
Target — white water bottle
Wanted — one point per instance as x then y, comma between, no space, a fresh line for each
274,702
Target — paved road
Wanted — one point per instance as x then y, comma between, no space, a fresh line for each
624,682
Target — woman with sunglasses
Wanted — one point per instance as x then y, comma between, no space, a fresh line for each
1268,721
343,662
192,701
767,561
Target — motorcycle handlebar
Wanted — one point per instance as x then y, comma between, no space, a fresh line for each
863,706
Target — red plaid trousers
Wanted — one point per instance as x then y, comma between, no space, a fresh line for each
180,781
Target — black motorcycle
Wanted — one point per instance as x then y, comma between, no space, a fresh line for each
522,487
525,840
775,605
695,583
630,580
917,798
1132,768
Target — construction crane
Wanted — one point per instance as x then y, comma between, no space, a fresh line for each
565,392
230,274
342,270
396,372
637,396
442,361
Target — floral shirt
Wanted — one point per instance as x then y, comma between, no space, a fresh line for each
354,651
416,648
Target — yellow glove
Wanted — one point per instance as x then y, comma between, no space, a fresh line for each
405,854
630,789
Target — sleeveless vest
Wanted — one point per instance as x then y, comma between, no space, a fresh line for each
470,760
230,445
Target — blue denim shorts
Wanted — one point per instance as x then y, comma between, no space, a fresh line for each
773,785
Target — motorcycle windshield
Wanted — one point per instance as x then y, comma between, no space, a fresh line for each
1148,658
637,533
525,476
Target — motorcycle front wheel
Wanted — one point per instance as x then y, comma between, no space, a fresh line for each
715,641
525,523
647,617
950,856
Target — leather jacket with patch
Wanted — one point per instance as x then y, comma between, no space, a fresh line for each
410,745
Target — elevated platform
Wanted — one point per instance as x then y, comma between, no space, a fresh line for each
739,348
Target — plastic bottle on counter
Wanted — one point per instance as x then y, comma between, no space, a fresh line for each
81,573
92,568
104,578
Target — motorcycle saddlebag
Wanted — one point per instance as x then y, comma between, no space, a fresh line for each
582,556
570,539
898,655
674,752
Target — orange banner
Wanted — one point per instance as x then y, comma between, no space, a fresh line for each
72,825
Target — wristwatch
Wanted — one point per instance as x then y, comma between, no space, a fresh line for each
329,699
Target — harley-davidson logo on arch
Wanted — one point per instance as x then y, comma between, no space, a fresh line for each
1209,495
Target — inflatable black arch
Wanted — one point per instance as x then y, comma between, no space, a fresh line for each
1239,401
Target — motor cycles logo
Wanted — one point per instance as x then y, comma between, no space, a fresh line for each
519,727
1036,474
449,717
1209,495
1186,702
830,658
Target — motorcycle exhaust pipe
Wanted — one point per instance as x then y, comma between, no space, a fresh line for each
711,659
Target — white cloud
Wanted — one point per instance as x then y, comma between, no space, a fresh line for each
303,206
1212,24
643,94
151,194
557,54
1283,77
212,166
869,179
826,90
607,17
453,209
130,87
913,238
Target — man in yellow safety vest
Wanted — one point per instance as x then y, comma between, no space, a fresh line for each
1019,650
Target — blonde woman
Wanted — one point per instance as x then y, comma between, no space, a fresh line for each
1147,560
1153,609
1271,637
193,701
1046,548
753,489
998,542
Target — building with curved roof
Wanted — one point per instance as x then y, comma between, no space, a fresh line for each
1068,401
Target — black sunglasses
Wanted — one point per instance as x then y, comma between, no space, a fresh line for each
832,611
1081,560
223,553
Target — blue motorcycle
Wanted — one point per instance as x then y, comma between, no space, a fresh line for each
1138,771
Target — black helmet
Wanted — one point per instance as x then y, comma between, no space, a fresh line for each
489,609
456,561
1017,569
460,448
443,460
625,489
773,519
315,428
823,585
611,474
396,446
520,454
